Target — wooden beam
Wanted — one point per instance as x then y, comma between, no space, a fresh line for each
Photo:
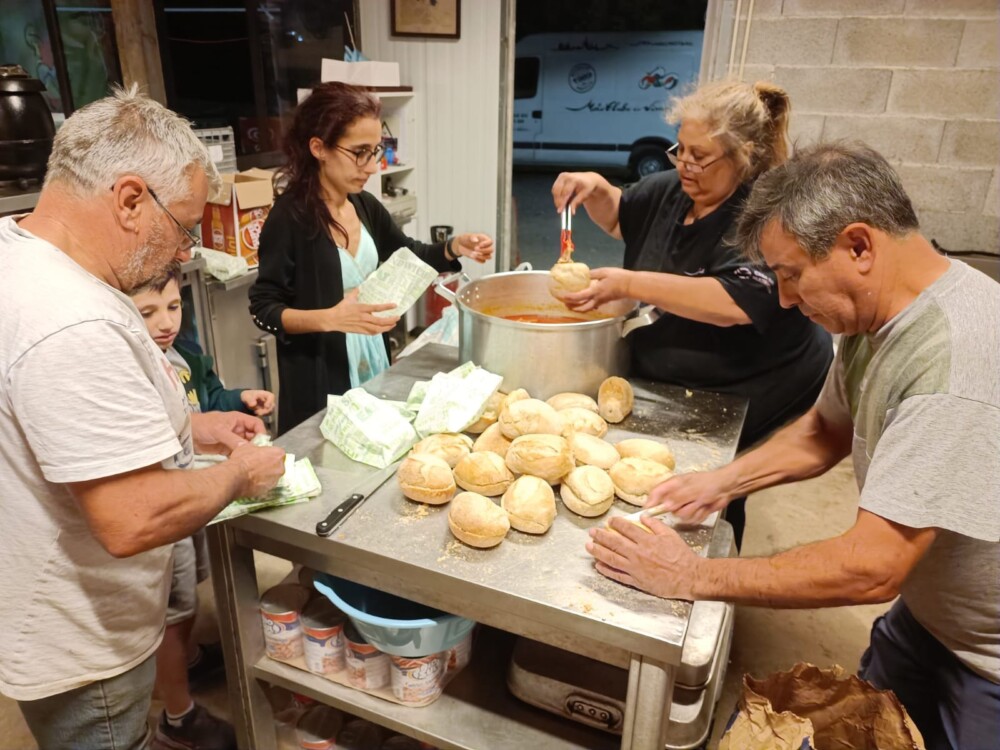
138,46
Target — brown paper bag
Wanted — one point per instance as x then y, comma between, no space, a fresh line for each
808,707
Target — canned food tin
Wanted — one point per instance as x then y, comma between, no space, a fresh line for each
323,630
367,667
417,679
460,654
280,609
317,728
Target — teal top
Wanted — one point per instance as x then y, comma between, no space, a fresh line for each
366,355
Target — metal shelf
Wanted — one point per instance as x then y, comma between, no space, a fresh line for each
476,710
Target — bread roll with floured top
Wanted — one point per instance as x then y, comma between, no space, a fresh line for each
646,448
587,491
477,520
518,394
635,477
577,419
489,415
615,399
572,400
530,504
529,417
545,456
567,278
426,478
484,472
493,440
588,450
450,446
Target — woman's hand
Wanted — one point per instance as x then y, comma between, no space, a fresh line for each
573,188
478,247
606,285
351,316
259,402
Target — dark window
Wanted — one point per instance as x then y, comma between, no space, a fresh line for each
526,77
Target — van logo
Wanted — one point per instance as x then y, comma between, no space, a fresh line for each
582,77
658,78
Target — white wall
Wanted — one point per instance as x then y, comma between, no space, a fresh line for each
457,87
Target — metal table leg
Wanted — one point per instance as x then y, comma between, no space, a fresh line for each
647,707
234,579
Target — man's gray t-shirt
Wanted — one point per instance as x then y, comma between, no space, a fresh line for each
84,394
923,395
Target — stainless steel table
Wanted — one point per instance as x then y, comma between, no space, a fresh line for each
544,587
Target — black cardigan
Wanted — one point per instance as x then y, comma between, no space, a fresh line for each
300,268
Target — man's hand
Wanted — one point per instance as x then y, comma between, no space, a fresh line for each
694,496
223,431
657,561
261,468
260,402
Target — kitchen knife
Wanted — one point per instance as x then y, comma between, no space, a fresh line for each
357,496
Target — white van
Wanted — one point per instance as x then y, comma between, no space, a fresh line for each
597,100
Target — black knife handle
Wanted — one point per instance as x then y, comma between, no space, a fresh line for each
338,514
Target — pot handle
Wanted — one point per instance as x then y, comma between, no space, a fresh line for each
525,266
644,316
441,285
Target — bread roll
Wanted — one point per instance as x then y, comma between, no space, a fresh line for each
529,417
426,478
588,450
450,446
477,520
483,472
587,491
545,456
568,400
567,278
635,477
518,394
646,448
615,399
493,440
577,419
530,504
489,415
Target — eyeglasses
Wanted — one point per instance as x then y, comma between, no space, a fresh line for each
190,238
363,155
691,166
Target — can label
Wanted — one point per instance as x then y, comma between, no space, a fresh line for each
367,667
460,654
417,679
282,635
324,649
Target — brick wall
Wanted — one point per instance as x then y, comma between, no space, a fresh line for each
919,80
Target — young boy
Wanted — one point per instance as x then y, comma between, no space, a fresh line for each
180,660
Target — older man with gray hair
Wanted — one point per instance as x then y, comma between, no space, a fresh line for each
914,397
93,422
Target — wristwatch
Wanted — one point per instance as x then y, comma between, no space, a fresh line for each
448,254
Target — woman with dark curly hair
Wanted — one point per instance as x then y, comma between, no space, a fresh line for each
323,237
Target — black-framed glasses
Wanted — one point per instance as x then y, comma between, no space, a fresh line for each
190,238
692,166
363,155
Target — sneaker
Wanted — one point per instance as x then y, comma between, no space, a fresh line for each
208,666
199,730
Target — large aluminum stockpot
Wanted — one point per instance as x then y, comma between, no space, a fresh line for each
543,358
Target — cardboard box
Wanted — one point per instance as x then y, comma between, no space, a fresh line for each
234,218
364,73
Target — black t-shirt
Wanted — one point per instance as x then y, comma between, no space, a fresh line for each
780,356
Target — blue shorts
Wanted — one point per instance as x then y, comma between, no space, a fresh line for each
953,707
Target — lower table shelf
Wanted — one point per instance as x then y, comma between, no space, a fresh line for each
475,712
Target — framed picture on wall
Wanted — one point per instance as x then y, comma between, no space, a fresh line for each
432,18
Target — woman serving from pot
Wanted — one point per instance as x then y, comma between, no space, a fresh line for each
722,328
323,237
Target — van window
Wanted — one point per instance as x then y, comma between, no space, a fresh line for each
525,77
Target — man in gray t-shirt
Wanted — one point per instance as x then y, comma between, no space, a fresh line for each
914,397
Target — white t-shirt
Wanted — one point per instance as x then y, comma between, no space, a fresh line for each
84,394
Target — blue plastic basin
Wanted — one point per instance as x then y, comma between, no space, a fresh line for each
393,624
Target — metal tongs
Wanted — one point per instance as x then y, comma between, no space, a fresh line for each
566,237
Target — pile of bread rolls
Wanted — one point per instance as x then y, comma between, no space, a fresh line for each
524,447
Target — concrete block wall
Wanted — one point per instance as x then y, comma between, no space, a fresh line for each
919,80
